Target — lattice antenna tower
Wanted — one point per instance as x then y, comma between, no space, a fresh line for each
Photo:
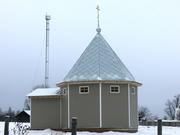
46,81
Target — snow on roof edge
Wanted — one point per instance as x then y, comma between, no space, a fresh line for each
28,112
44,92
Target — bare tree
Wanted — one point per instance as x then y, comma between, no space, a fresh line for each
38,86
144,113
10,112
27,104
171,105
27,100
0,111
1,114
177,113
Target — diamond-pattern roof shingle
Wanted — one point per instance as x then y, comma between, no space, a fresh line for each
98,62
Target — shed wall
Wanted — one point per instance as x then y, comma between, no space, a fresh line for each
45,113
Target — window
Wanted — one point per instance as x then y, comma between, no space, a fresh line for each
63,91
114,89
83,89
133,90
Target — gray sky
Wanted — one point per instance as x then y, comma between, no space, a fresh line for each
145,34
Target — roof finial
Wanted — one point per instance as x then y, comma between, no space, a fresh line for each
98,25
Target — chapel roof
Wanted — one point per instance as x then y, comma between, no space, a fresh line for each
99,62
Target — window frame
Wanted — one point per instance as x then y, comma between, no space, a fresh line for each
114,92
80,91
64,91
133,90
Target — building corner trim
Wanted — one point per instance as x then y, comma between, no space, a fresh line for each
68,107
129,107
100,105
60,126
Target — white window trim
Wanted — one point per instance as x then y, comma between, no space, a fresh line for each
115,86
83,92
133,90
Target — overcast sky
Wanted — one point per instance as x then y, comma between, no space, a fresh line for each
145,34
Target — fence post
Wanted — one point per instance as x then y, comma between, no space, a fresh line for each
74,126
6,127
159,127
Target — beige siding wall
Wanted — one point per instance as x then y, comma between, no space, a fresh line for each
85,106
45,113
64,103
115,107
134,107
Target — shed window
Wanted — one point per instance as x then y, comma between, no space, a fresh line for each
64,91
114,89
83,89
133,90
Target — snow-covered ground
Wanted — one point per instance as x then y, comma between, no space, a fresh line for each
1,128
143,130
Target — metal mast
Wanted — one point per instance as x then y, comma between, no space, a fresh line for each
98,20
46,83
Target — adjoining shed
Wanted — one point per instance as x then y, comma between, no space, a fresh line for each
45,108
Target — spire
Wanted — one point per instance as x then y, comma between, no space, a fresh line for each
98,24
99,62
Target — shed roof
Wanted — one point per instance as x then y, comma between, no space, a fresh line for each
98,62
44,92
28,112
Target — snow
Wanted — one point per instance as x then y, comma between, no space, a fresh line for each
44,92
1,128
143,130
28,112
46,132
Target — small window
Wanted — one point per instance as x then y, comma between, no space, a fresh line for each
133,90
83,89
63,91
114,89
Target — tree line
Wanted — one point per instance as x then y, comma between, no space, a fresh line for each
171,110
10,113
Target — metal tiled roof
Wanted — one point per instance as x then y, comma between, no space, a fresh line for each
98,62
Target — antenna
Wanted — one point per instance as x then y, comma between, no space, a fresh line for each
46,83
98,24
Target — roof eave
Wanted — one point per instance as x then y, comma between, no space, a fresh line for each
46,96
98,81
